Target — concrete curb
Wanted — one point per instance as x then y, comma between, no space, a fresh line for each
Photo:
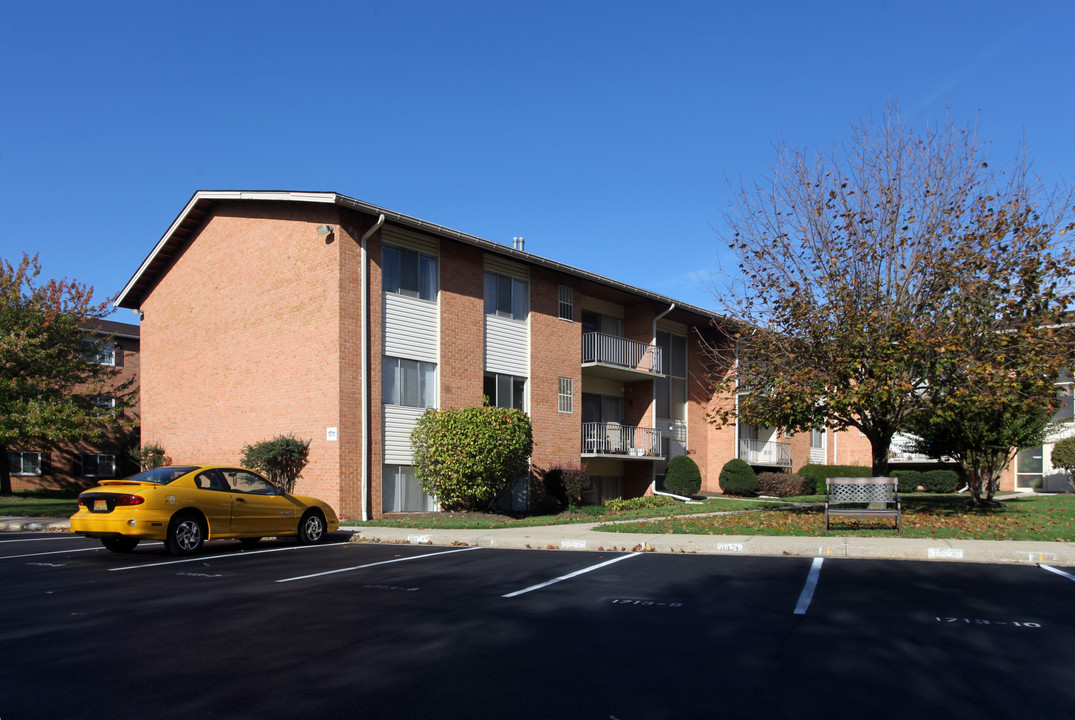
584,538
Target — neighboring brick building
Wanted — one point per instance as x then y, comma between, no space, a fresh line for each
265,313
81,464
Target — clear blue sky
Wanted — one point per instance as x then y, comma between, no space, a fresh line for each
602,132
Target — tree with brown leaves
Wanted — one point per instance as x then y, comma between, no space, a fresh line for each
867,272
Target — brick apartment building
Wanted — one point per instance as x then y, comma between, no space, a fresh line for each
266,313
81,464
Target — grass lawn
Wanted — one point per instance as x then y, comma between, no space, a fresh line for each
491,521
1044,517
39,503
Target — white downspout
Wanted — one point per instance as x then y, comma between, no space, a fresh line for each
653,470
365,420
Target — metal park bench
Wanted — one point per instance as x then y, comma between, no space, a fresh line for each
863,497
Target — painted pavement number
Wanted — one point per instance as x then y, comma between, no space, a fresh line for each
645,603
973,621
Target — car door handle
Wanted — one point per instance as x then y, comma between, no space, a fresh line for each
240,500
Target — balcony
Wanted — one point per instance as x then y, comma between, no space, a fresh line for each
626,442
765,452
618,358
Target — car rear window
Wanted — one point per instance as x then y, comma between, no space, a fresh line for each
162,475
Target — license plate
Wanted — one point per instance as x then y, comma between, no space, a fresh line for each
100,506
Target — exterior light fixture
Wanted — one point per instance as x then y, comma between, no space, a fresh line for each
324,229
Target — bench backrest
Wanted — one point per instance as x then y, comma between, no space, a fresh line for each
861,489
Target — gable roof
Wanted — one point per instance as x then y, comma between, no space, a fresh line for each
201,205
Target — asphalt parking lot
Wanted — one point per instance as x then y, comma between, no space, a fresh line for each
376,631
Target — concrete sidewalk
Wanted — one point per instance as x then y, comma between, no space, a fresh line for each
585,537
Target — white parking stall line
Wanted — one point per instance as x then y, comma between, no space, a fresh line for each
1051,569
204,558
807,595
50,552
583,571
54,536
374,564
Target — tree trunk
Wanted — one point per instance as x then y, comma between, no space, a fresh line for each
879,452
5,472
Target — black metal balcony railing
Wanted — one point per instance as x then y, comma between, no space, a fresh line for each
622,352
765,452
616,439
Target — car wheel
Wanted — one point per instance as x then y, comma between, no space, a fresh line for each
249,542
311,527
186,533
120,544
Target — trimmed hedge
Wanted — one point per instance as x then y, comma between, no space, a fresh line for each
822,472
940,481
909,480
782,484
683,476
738,478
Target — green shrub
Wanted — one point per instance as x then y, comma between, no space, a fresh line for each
638,503
940,481
280,459
1064,456
149,456
565,482
682,476
738,478
909,480
821,472
782,484
467,457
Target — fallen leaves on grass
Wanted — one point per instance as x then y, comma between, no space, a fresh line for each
1037,518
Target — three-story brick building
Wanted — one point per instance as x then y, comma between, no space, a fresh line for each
265,313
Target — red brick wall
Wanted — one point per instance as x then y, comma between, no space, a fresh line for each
711,446
241,340
555,352
462,316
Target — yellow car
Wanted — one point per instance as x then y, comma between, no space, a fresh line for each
185,506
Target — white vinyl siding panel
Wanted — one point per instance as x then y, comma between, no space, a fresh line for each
671,327
502,266
415,241
411,328
507,346
399,421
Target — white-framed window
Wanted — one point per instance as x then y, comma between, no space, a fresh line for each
565,396
22,462
98,465
409,382
506,296
567,304
102,352
409,272
506,391
400,491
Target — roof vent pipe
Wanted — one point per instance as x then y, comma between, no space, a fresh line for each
518,243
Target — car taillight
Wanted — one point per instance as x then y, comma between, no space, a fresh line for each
130,500
83,501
